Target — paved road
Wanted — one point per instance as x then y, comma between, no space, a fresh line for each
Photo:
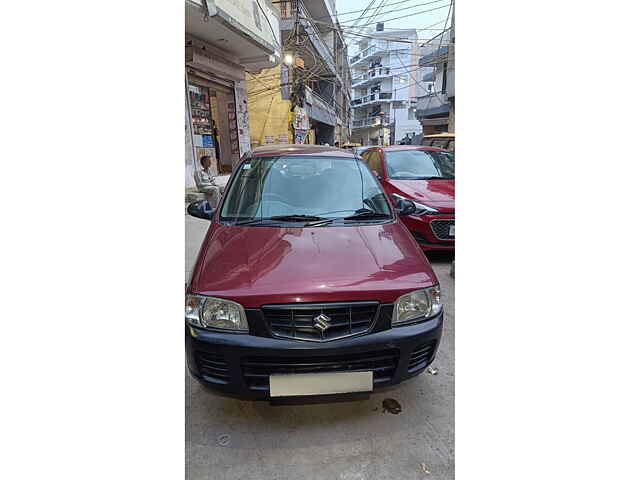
234,439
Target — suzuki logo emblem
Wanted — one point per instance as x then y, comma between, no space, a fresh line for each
321,322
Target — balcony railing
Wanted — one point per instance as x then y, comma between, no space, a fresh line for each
435,103
367,52
374,97
368,122
376,72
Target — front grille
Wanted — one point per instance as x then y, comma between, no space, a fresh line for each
300,322
440,229
420,357
256,370
212,366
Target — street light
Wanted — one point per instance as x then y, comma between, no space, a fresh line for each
288,58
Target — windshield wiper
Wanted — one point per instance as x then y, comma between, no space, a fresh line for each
365,213
285,218
423,178
296,218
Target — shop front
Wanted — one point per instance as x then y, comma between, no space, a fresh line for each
223,39
214,122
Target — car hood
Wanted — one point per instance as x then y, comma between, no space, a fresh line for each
265,265
434,193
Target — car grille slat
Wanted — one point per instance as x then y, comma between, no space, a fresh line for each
298,321
256,370
440,228
420,357
213,366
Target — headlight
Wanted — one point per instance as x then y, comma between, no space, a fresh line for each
420,304
420,208
211,312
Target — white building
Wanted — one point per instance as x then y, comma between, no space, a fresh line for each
384,83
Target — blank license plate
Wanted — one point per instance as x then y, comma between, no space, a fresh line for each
452,230
320,383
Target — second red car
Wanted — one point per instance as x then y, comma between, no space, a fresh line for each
426,176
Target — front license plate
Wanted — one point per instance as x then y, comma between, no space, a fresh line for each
452,230
320,383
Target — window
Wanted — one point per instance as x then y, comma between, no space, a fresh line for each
419,165
403,79
444,78
278,186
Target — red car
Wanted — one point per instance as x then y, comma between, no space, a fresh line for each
424,175
307,282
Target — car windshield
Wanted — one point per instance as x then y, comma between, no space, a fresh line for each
304,189
419,164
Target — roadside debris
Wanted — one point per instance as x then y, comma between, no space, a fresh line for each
391,405
432,370
224,440
425,469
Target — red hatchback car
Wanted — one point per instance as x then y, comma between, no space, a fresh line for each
307,282
424,175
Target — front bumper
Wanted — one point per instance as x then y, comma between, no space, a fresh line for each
423,231
239,364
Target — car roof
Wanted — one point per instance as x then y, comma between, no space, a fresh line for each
291,149
441,135
393,148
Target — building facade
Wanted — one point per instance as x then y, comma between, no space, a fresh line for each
223,40
306,98
436,107
384,87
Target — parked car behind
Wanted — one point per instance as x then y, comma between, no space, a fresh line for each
424,175
307,282
444,140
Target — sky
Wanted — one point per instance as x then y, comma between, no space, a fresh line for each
408,7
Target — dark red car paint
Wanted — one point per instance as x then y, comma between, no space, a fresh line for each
255,266
265,265
439,194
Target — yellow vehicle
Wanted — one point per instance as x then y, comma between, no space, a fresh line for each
350,146
441,140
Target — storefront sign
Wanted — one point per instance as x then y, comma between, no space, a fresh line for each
300,119
300,137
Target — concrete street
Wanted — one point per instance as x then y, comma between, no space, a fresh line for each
234,439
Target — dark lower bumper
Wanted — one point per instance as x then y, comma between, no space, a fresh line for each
239,364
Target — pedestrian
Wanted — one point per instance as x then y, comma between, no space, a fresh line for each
206,182
337,144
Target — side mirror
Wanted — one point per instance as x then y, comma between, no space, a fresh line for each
200,209
405,207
